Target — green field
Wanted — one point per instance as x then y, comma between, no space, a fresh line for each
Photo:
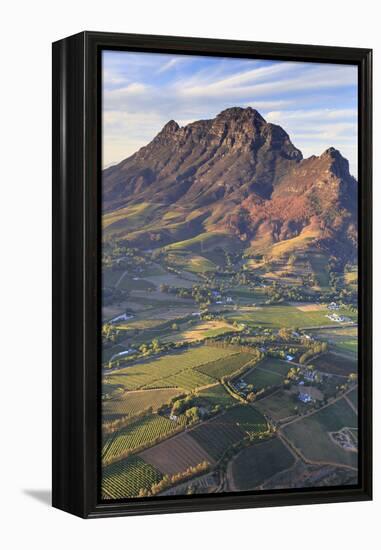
311,434
125,478
189,261
348,345
335,364
286,316
278,405
131,283
247,418
261,379
247,295
143,324
140,432
217,395
254,465
168,371
216,437
197,331
145,330
203,252
218,434
341,339
269,372
130,403
188,380
130,218
319,265
226,365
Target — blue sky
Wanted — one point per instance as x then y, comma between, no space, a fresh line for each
315,103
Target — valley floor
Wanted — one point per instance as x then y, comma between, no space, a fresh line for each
211,384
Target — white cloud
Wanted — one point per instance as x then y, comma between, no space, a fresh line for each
126,132
312,79
312,114
170,64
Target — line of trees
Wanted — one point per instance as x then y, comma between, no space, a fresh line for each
170,480
315,349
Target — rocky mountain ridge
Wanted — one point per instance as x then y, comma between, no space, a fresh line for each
235,174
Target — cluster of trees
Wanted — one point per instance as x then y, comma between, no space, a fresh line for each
263,392
117,254
309,279
189,405
314,349
193,415
170,480
293,374
228,379
109,333
341,293
278,293
180,405
201,294
286,334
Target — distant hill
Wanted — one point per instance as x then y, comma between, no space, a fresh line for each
234,181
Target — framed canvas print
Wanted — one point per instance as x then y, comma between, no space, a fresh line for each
212,274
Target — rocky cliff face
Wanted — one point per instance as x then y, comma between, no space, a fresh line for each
240,174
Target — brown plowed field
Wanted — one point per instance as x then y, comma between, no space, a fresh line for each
176,454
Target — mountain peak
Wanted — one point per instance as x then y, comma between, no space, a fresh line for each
338,164
236,113
332,152
170,128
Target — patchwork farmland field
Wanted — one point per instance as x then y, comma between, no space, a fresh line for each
247,418
269,372
311,434
140,432
217,395
176,454
132,402
332,363
286,316
133,283
127,477
217,435
200,331
254,465
344,340
225,366
350,345
156,372
188,380
278,405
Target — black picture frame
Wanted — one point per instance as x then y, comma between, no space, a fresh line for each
76,271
